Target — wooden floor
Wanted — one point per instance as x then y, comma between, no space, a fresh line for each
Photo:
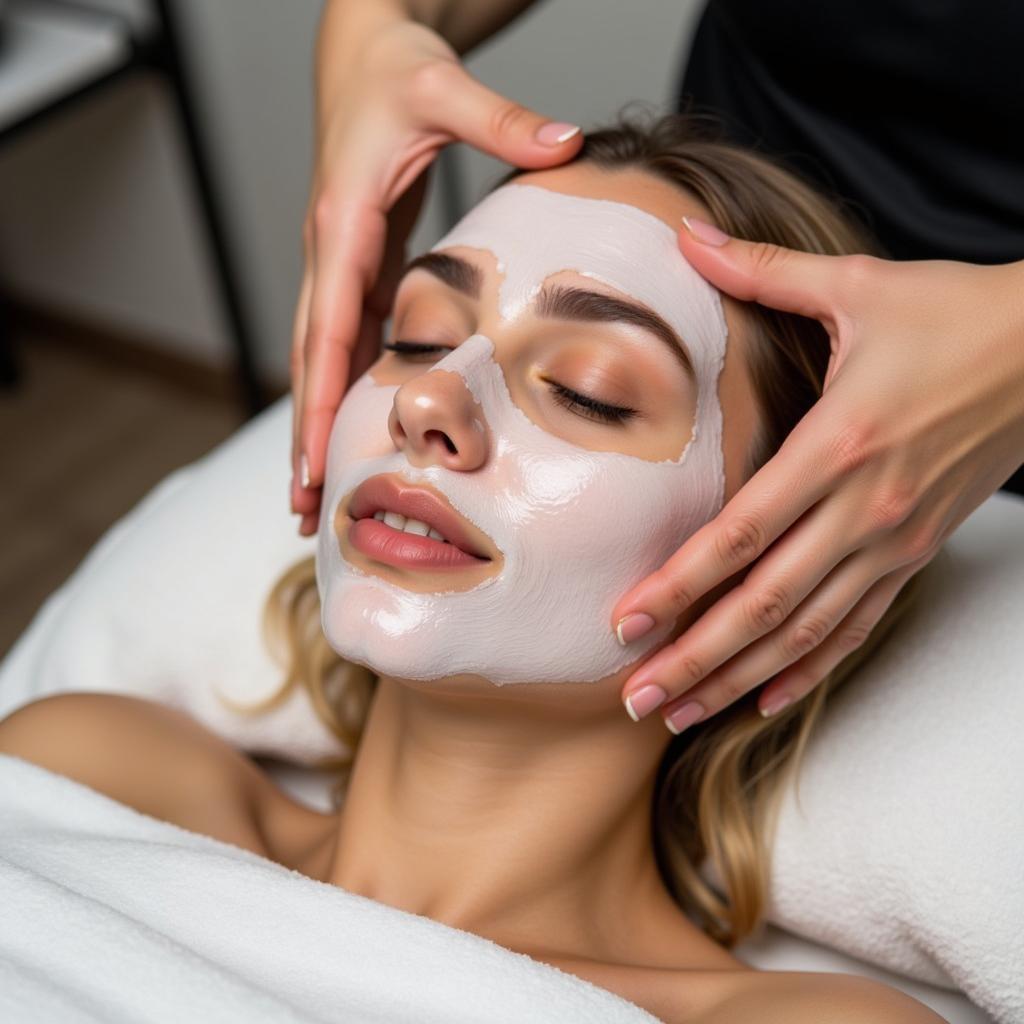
82,439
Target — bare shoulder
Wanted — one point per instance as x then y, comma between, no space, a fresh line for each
814,997
142,753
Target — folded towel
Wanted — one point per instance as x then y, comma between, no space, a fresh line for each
110,915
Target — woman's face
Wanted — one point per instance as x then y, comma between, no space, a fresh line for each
573,395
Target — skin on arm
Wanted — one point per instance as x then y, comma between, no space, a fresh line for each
391,93
179,770
921,420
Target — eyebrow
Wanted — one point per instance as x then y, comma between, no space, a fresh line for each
558,301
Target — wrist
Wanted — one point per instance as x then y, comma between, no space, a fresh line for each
369,13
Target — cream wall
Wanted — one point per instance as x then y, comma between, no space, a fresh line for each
97,218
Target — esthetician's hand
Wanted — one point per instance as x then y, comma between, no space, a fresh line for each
391,94
921,420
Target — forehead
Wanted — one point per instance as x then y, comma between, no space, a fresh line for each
535,233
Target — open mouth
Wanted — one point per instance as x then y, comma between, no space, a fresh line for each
412,527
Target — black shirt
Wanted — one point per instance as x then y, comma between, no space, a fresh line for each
911,111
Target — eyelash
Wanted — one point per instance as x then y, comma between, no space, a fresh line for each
583,405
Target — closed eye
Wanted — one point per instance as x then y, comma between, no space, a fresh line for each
583,405
589,408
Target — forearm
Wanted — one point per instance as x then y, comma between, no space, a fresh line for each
464,24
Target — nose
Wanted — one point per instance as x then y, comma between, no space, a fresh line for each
435,419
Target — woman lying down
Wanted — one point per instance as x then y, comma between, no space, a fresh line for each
561,401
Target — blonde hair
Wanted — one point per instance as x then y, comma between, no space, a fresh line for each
720,782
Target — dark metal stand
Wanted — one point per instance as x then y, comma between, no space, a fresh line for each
159,51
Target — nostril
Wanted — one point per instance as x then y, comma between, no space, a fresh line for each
448,443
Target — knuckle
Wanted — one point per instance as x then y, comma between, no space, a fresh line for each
316,334
743,538
689,671
322,334
892,506
767,257
729,691
920,546
431,83
506,116
768,608
322,214
678,592
850,636
859,271
850,447
810,633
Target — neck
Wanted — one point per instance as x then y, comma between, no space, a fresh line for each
514,815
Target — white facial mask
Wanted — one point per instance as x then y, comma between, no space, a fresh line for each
577,528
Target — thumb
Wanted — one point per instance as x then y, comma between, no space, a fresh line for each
784,279
499,126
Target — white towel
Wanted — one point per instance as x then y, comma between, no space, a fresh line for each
110,915
906,848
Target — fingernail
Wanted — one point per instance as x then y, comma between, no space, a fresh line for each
556,132
643,701
304,465
632,627
773,707
684,716
706,233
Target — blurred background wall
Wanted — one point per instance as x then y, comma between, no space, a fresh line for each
97,218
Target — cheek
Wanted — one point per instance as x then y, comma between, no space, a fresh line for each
739,403
360,428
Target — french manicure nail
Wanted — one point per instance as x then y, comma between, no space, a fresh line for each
684,716
773,707
643,701
632,627
704,232
304,465
554,133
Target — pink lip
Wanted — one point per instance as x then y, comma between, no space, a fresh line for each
382,542
395,547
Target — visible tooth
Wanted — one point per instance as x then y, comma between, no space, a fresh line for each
394,519
379,515
433,533
415,526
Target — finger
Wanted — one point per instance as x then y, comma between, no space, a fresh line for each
810,284
808,465
762,603
349,249
802,676
467,110
308,525
808,628
299,325
305,500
